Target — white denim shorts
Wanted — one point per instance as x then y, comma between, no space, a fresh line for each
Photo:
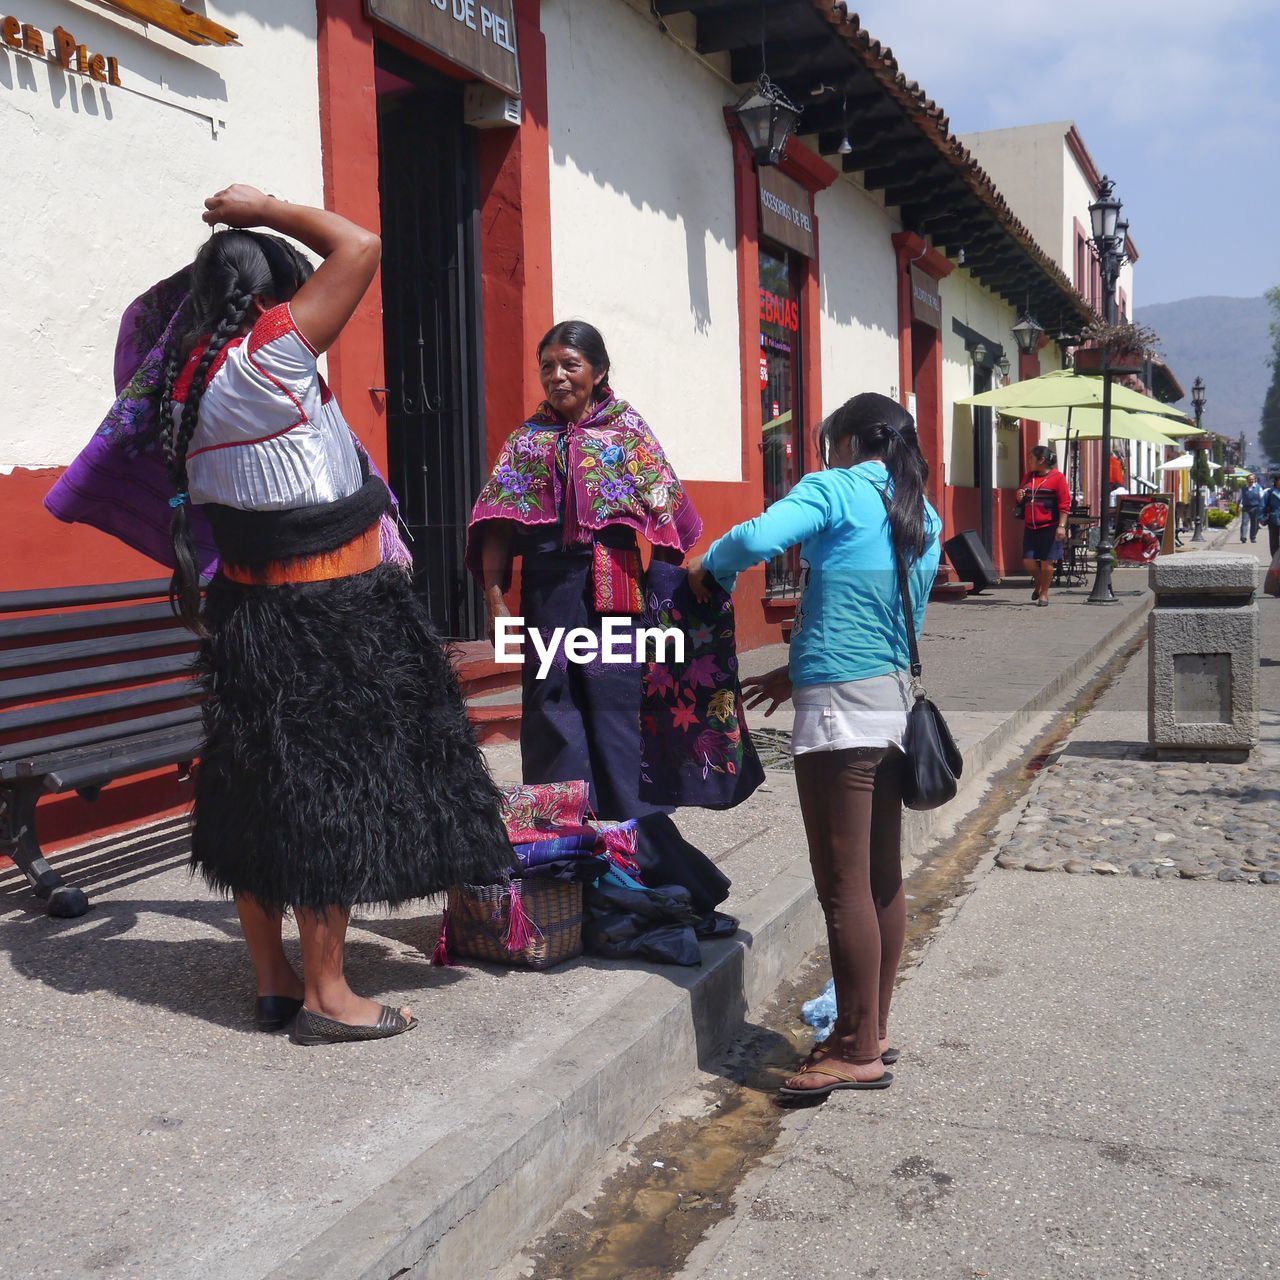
852,713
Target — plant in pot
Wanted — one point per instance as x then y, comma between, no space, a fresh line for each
1117,348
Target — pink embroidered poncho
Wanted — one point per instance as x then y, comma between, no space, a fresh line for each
615,471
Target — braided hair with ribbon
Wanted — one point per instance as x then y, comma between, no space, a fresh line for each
235,274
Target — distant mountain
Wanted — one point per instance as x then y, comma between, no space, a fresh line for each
1226,342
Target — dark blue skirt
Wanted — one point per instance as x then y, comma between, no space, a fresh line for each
1041,544
582,720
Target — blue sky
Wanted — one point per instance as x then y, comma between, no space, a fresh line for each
1179,102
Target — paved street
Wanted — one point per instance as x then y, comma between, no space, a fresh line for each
167,1139
1090,1062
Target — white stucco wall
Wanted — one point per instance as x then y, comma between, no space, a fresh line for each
104,188
1077,196
1025,163
859,294
642,222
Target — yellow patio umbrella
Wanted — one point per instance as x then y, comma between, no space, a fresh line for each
1086,424
1065,389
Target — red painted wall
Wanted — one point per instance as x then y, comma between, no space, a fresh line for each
38,551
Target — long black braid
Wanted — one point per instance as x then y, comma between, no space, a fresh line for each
231,271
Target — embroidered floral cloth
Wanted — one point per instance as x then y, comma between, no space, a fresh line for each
694,745
551,821
543,811
119,483
615,474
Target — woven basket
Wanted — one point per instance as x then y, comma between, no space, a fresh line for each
479,915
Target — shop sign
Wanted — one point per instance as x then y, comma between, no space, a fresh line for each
926,299
479,35
786,211
64,49
764,372
784,312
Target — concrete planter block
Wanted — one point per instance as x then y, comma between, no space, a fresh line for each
1203,655
1203,573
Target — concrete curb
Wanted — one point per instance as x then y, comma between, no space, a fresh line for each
487,1190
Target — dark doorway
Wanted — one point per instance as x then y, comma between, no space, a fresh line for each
431,328
984,458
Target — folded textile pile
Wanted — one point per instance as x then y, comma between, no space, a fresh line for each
560,850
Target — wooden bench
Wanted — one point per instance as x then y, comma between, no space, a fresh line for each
95,685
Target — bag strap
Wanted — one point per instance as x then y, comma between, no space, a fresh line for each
904,591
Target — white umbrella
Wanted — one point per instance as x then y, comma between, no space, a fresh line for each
1185,463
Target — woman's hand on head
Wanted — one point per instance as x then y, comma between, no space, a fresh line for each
239,205
774,687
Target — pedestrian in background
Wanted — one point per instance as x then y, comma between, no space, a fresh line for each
1046,501
1271,513
1250,509
849,679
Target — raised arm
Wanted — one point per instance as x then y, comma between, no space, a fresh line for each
351,254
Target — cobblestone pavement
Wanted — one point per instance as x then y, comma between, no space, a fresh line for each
1103,806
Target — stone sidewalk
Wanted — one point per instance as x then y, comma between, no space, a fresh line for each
149,1132
1090,1062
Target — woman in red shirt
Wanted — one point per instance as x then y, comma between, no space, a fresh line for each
1046,501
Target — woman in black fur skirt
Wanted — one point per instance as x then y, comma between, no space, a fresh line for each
339,768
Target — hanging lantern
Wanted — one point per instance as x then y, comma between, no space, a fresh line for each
1027,334
767,118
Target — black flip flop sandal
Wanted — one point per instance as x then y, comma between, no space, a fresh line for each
312,1028
274,1013
888,1057
842,1081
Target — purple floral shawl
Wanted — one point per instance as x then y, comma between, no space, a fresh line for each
119,482
618,475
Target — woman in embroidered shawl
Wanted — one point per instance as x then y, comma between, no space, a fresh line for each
572,489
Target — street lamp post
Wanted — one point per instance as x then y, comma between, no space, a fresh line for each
1197,403
1109,244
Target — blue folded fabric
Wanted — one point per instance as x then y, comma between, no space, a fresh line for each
540,851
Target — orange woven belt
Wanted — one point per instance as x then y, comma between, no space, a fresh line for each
358,556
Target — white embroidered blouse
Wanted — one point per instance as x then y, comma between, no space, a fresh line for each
270,435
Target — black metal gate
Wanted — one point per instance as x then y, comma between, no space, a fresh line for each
431,324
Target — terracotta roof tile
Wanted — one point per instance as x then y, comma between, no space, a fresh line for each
934,124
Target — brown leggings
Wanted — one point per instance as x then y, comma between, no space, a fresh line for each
852,807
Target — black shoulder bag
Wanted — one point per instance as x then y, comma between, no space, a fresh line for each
934,763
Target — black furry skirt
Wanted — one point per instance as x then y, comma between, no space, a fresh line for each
339,768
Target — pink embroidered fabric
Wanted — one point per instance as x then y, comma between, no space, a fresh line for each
615,471
543,811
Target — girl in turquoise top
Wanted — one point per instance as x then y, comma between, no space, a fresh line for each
849,679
